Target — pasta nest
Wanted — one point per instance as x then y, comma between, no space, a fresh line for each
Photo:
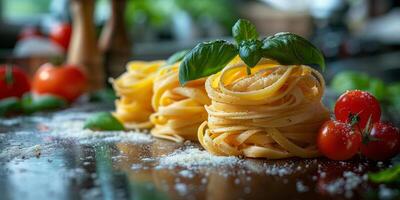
273,113
135,89
179,110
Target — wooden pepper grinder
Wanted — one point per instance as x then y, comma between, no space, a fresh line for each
83,49
114,43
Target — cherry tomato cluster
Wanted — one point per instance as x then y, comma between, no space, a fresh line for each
358,128
66,81
60,34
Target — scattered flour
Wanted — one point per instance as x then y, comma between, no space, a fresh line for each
181,188
300,187
192,158
74,129
346,184
12,151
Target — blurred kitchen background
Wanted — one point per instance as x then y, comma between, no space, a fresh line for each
360,38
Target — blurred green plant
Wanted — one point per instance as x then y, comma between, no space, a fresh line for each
160,12
350,80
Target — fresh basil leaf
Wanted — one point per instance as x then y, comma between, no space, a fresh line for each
291,49
103,121
9,105
41,103
250,52
205,59
386,176
244,30
176,57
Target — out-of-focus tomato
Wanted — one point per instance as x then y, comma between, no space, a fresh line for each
68,82
61,34
338,141
14,82
29,32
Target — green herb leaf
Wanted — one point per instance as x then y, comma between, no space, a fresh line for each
176,57
205,59
41,103
250,52
244,30
103,121
386,176
9,105
291,49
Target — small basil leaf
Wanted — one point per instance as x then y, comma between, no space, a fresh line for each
103,121
205,59
386,176
291,49
244,30
9,105
250,52
176,57
41,103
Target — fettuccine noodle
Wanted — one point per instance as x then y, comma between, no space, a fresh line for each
178,110
135,89
273,113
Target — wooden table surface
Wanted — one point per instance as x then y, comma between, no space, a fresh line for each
36,164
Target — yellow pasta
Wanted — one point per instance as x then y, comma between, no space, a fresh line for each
135,89
178,110
273,113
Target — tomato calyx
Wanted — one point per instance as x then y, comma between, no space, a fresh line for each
9,78
354,119
366,133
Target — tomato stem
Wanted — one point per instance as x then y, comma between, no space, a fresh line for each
9,78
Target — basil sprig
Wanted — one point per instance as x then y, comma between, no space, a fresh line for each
210,57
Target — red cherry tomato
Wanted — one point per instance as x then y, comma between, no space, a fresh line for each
61,34
338,141
14,82
360,103
68,82
382,143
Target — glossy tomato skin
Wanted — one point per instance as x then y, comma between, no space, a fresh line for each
338,141
68,82
357,102
61,34
19,85
386,144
